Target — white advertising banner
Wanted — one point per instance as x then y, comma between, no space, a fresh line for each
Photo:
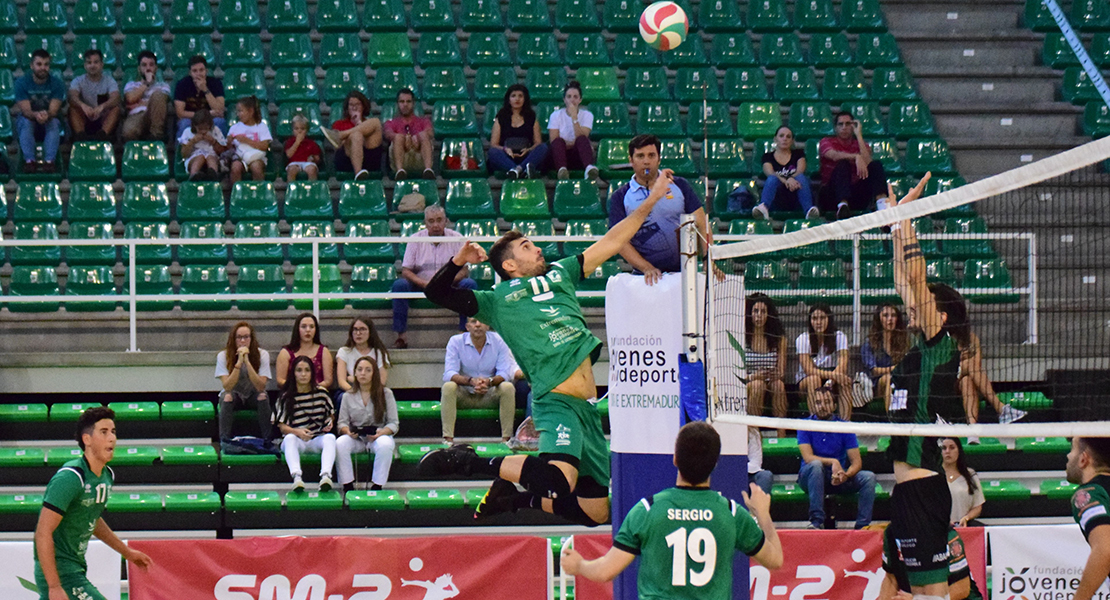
644,327
1038,562
17,570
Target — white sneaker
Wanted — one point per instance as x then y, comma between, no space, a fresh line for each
514,173
972,440
528,174
563,173
331,135
592,173
1010,414
298,483
813,213
760,213
325,483
362,175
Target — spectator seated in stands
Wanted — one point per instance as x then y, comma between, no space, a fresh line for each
367,422
306,419
654,249
829,363
39,95
831,463
886,344
756,473
850,179
302,153
421,261
963,482
410,138
357,137
787,188
197,91
362,340
147,98
569,127
250,138
765,351
515,144
244,370
201,145
974,382
305,341
93,100
477,373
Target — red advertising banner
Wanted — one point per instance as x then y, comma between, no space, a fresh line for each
344,568
975,548
591,547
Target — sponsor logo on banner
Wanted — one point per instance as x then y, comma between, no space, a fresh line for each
17,574
1043,562
293,568
853,572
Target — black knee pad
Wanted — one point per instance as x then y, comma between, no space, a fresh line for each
589,488
544,479
568,508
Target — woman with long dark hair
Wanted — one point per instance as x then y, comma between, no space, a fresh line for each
367,421
357,137
822,357
305,341
765,351
362,340
515,144
886,344
963,482
306,418
243,370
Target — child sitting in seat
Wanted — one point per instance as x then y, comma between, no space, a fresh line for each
201,146
303,154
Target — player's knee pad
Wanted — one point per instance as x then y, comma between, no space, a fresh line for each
544,479
588,487
568,508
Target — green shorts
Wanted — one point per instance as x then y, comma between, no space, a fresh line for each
76,586
572,426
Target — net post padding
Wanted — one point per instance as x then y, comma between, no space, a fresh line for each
1046,168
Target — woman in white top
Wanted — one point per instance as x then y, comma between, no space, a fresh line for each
367,421
362,340
570,126
967,492
830,362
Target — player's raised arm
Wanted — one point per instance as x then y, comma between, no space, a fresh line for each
623,232
909,267
602,569
759,505
1098,563
441,288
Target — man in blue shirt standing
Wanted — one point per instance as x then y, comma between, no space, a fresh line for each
831,462
654,249
38,99
477,372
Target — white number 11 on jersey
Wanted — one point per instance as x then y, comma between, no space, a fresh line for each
701,546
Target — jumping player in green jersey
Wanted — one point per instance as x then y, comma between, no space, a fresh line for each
535,311
687,535
1089,466
75,497
896,586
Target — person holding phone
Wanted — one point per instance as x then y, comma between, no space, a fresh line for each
147,98
515,144
852,181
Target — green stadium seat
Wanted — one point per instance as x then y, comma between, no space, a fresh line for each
586,228
330,283
205,279
491,83
758,120
821,276
66,412
766,275
296,84
862,15
811,120
234,16
710,119
389,50
749,227
595,282
9,17
646,84
454,119
424,187
189,455
445,83
432,15
885,151
811,251
480,15
372,279
539,49
7,97
384,15
436,49
1089,15
91,202
339,81
15,458
295,50
201,201
24,413
479,227
153,280
690,54
844,85
610,154
307,200
94,255
145,161
890,84
95,41
375,500
746,84
587,50
1043,445
314,500
910,119
257,253
725,158
940,270
483,274
610,120
5,126
38,201
677,155
621,16
342,50
52,43
148,254
720,200
469,199
1038,18
1057,54
369,253
187,45
576,15
145,202
242,82
450,155
830,50
9,55
795,84
48,16
732,50
877,50
56,457
545,84
362,200
252,501
287,15
302,253
877,275
387,82
1058,489
33,281
578,199
195,502
1077,87
659,118
696,85
1099,52
434,499
989,273
630,50
924,155
768,15
133,44
190,16
815,16
528,15
242,50
720,16
141,16
136,455
1026,400
488,49
253,200
211,254
1005,490
781,50
869,114
337,16
176,410
524,199
599,84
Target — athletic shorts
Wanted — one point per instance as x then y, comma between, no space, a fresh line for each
921,452
76,585
572,426
919,511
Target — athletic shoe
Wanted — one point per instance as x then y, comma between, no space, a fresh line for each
400,174
331,135
325,483
429,174
842,211
812,526
298,484
972,440
363,174
591,173
1010,414
498,499
514,173
375,488
448,461
563,173
348,487
528,174
813,213
760,213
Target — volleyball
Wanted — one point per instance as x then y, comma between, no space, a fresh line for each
664,25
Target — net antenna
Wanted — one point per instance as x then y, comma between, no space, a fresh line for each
726,362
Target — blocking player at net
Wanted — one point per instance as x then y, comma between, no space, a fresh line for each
536,312
688,523
1089,466
71,508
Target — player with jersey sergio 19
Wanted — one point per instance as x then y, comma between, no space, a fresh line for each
536,312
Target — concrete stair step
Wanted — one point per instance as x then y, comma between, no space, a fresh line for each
976,91
962,53
951,18
977,158
995,127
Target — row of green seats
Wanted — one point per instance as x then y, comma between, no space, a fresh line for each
788,446
1085,15
995,489
125,411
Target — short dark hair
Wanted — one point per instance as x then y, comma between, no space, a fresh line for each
148,54
407,91
842,113
572,85
40,53
89,419
500,253
197,59
1098,448
644,140
696,451
93,52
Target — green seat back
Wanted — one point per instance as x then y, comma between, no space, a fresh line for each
201,201
212,254
362,200
384,15
445,83
91,255
302,253
768,15
646,84
578,199
726,158
432,15
487,49
611,119
745,84
812,120
257,253
910,119
48,16
695,85
296,84
546,83
438,48
480,15
141,16
630,50
94,17
92,161
238,16
91,202
795,84
528,15
524,199
877,50
342,50
599,84
585,49
145,202
373,253
659,118
33,281
242,50
188,45
830,50
469,198
491,83
35,255
260,279
287,15
372,279
205,279
145,161
253,200
781,50
862,15
758,120
844,84
330,282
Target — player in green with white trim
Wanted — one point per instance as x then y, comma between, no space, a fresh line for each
687,535
75,497
535,311
1089,466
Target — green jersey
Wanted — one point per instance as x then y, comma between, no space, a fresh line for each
541,321
79,495
686,538
958,568
1089,504
924,387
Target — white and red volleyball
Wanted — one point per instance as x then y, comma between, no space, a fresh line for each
664,25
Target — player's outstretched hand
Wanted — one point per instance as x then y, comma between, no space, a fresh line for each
570,561
758,501
471,253
662,183
911,195
140,559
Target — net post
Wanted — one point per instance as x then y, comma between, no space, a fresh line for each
1033,326
856,302
688,249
